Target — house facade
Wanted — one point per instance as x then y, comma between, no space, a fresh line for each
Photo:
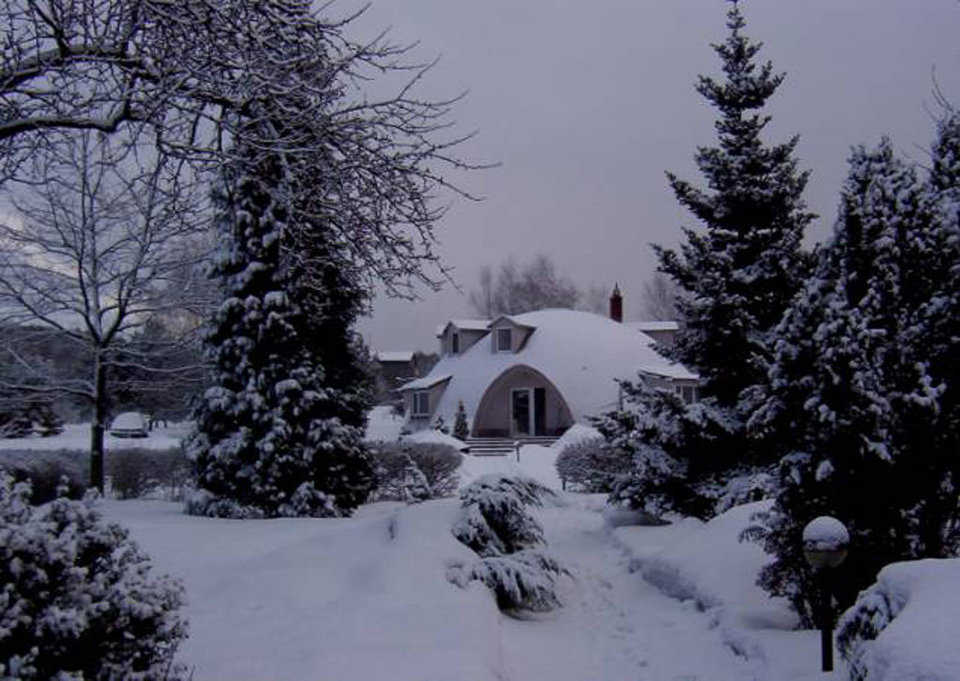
536,373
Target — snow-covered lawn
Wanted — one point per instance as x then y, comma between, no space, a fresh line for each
77,436
367,598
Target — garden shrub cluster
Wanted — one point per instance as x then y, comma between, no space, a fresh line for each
590,465
78,599
496,525
46,471
398,468
133,473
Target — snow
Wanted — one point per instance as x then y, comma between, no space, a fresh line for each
582,353
394,356
435,437
383,425
914,606
368,597
76,436
825,534
576,434
654,326
465,324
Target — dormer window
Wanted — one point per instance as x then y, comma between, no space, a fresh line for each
455,344
504,340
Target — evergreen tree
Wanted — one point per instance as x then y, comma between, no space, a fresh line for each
735,280
738,276
280,432
460,428
855,394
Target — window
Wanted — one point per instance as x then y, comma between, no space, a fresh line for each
504,340
455,344
421,403
689,394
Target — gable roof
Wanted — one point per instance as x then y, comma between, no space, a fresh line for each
582,353
465,324
654,326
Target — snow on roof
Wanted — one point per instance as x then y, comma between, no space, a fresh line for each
394,356
582,353
427,381
654,326
465,324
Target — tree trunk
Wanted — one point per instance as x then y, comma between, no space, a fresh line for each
97,428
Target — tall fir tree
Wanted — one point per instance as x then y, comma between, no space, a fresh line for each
280,432
738,276
735,279
856,395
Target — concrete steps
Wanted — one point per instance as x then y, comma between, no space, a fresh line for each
502,446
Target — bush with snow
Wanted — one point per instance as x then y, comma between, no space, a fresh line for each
590,465
398,467
78,600
574,434
496,525
46,470
904,627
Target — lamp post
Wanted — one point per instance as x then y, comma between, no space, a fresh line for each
825,545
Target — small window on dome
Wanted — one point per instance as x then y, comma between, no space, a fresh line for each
504,340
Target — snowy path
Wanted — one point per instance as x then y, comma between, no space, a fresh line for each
613,625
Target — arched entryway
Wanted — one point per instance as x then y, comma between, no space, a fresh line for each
521,402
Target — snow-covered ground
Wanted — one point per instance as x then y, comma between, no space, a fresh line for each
77,436
367,598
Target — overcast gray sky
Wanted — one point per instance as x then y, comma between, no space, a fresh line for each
586,104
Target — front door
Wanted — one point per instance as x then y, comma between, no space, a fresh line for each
521,411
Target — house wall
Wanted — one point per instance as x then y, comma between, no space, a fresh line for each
492,418
418,422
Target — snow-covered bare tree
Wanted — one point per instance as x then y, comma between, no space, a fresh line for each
195,79
88,253
519,288
659,297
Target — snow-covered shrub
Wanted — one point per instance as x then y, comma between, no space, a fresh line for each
77,599
495,519
437,463
743,486
46,470
525,580
678,451
904,627
591,465
135,473
496,525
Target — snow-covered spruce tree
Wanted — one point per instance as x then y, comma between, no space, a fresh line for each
78,600
853,400
496,525
735,278
280,432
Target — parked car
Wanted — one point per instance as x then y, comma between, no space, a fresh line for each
130,424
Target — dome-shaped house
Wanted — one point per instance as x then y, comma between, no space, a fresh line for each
536,373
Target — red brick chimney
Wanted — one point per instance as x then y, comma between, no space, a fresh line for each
616,304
